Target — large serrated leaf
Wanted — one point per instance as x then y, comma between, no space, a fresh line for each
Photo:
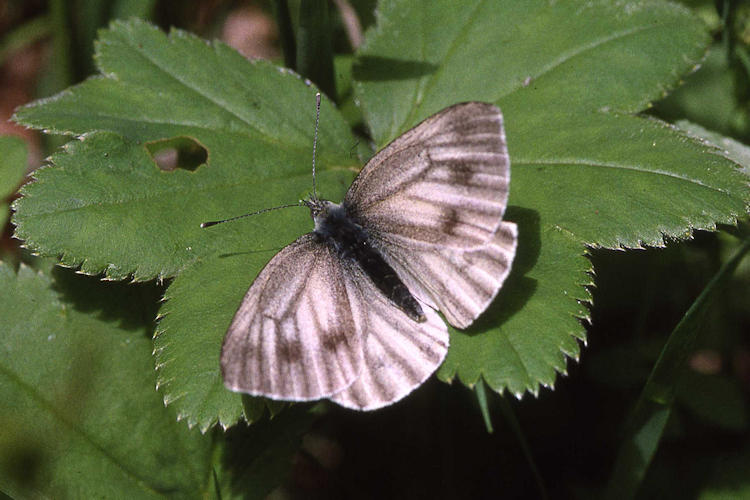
80,417
106,207
132,218
584,173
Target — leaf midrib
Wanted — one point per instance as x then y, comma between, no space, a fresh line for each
206,97
51,410
567,56
180,189
567,162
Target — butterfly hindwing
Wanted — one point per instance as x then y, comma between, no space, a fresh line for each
460,282
399,353
295,336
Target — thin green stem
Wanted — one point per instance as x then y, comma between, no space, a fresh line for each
314,47
286,32
515,427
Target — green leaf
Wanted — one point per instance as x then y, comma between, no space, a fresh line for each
155,87
80,417
132,218
584,172
106,207
537,60
12,169
734,150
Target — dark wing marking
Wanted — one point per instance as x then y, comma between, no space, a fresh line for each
295,336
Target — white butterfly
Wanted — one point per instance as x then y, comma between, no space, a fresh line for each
349,311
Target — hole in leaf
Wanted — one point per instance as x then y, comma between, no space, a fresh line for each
178,152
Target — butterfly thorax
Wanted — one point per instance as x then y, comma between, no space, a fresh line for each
351,242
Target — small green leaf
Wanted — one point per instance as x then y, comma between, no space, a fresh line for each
80,417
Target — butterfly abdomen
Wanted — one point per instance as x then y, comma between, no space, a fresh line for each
352,242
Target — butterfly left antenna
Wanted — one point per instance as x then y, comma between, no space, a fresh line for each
214,222
299,204
315,141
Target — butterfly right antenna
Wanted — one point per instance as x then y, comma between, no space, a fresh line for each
315,142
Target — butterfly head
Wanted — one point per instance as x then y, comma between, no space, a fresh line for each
320,210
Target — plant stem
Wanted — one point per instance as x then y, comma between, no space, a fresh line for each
314,49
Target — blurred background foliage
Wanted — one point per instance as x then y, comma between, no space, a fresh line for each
419,450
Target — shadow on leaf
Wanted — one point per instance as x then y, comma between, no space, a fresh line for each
518,288
381,69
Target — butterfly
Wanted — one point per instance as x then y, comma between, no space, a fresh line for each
349,312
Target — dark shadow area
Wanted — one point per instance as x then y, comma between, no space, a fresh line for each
132,305
178,152
433,444
381,69
529,238
23,459
518,288
256,456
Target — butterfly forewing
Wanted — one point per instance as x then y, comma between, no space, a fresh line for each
443,182
295,336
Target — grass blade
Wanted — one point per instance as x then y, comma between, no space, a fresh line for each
646,425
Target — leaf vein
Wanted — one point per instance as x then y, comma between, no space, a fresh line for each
53,411
635,168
